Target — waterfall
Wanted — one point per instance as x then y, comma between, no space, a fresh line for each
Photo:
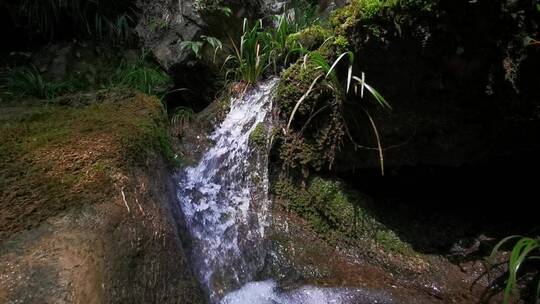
224,198
226,207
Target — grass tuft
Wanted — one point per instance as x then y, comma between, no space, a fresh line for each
142,75
524,249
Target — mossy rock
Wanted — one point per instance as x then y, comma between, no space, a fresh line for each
317,118
324,203
296,80
257,138
337,213
60,157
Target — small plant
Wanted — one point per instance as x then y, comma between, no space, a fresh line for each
305,14
261,48
141,75
524,249
197,45
282,47
44,15
182,116
213,6
158,24
28,81
252,56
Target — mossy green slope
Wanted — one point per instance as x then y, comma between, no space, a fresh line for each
58,157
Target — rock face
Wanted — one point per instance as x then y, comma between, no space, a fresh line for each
165,24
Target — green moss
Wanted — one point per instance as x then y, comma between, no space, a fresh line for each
257,138
296,80
337,213
390,241
310,38
58,157
366,11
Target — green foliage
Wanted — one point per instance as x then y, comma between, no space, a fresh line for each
261,48
141,75
213,6
524,249
281,33
194,46
252,56
118,31
25,81
281,45
326,74
305,14
365,10
43,15
308,101
197,45
158,24
29,82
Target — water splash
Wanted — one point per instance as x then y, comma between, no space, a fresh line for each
267,292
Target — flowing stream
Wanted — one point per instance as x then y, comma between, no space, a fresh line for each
225,202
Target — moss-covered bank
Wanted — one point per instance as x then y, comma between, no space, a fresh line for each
88,209
59,157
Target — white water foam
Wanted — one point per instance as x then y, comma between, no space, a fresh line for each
267,292
224,198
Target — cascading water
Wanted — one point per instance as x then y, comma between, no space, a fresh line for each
224,198
225,204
